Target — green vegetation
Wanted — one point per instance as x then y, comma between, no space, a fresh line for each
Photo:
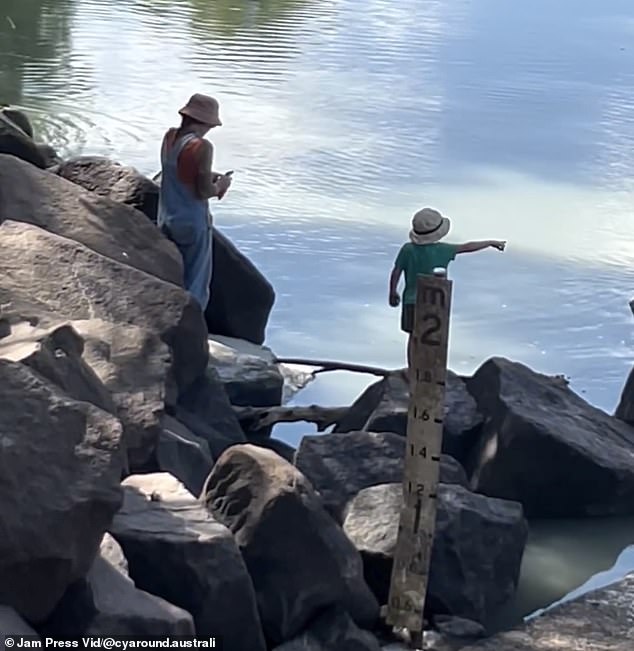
31,32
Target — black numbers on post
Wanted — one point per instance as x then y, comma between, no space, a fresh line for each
403,603
434,296
420,489
422,415
423,453
426,336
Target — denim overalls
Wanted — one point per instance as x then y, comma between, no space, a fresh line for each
186,220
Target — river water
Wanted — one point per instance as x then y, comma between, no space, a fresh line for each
342,117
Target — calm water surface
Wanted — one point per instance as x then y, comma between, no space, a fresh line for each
342,117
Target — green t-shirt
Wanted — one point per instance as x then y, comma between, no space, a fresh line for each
417,259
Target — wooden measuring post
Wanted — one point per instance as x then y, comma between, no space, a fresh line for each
410,572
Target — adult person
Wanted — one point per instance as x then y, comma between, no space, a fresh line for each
187,183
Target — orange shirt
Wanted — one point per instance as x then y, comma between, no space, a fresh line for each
188,160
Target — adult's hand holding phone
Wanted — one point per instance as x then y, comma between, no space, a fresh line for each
223,184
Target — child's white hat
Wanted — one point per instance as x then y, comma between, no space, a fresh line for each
428,226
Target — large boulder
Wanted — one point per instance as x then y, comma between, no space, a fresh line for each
625,408
241,297
285,450
295,377
121,369
15,141
18,132
56,354
339,466
184,455
205,409
601,620
107,603
18,118
332,631
64,277
458,630
249,380
12,624
60,466
545,447
176,550
134,365
383,407
112,229
477,551
111,551
299,559
114,181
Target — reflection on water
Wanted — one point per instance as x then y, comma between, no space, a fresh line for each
564,562
341,118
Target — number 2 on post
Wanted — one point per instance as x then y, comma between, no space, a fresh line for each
426,336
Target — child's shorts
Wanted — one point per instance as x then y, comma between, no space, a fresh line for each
407,317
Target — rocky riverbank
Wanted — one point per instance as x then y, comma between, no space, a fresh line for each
137,498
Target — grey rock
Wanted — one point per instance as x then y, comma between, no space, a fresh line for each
383,407
60,467
602,620
62,277
477,552
295,377
184,455
241,297
299,559
122,369
50,157
107,227
334,630
119,368
114,181
110,550
17,142
625,408
12,624
134,365
546,447
176,550
249,380
107,603
18,118
340,465
459,627
56,354
205,409
285,450
436,641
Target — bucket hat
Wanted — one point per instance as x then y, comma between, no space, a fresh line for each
203,108
428,226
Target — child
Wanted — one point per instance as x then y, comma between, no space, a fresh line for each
421,255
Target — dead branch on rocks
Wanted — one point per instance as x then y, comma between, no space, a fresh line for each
323,366
256,418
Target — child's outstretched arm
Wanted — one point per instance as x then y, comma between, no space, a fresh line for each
395,276
472,247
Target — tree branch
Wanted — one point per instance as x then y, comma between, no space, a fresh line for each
256,418
324,366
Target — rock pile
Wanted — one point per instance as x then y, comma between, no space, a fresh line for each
131,499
